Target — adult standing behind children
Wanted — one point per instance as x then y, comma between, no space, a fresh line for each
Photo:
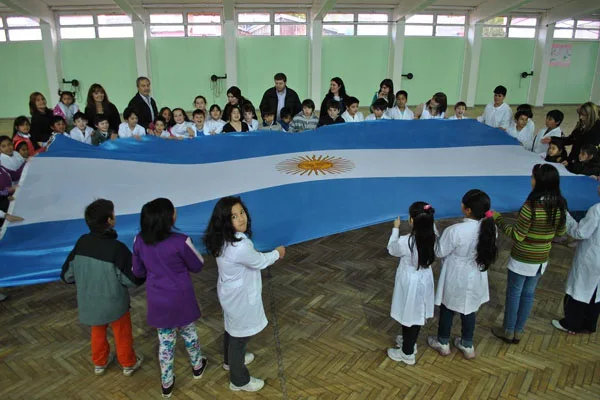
280,96
41,118
497,114
234,98
337,93
98,104
143,103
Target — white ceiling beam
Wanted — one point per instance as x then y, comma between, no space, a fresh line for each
229,10
572,9
133,8
406,8
493,8
31,8
320,8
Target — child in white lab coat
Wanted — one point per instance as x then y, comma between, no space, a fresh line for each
412,301
239,286
468,249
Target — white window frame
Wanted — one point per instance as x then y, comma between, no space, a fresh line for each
509,25
3,29
94,24
271,22
6,28
355,22
185,22
574,29
435,23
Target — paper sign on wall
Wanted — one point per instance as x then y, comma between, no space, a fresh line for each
561,55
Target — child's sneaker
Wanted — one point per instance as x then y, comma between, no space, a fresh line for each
398,355
443,349
168,392
400,342
99,369
468,352
254,385
128,371
248,358
200,371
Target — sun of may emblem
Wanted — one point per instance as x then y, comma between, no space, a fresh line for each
317,165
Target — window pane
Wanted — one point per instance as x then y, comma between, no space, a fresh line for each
371,30
496,21
494,31
290,17
196,18
88,32
418,30
452,31
519,21
17,35
76,20
115,31
567,23
333,17
254,30
563,33
167,31
372,18
21,21
1,23
166,18
114,19
2,36
586,34
338,30
254,17
420,19
451,19
290,30
204,30
521,32
588,24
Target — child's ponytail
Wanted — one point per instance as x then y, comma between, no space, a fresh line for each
423,233
480,204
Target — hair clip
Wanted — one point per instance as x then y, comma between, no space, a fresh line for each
489,214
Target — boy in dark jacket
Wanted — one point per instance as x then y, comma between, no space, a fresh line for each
333,115
589,161
100,265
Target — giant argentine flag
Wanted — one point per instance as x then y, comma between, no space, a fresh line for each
297,187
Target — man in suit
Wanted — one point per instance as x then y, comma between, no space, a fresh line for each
281,96
143,103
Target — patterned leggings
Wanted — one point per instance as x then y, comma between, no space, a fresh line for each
167,338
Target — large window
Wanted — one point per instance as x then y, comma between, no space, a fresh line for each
271,24
356,24
91,26
435,25
19,29
512,27
577,29
185,24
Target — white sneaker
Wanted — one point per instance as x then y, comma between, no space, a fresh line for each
400,341
468,352
557,325
443,349
254,385
128,371
99,369
248,358
398,355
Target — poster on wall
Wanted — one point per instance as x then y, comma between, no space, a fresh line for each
561,55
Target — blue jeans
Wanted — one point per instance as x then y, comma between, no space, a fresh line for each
445,326
520,291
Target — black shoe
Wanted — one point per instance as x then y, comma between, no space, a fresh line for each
167,392
200,371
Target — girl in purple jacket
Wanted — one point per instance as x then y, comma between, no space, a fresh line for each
166,259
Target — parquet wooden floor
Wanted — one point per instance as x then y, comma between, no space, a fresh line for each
328,306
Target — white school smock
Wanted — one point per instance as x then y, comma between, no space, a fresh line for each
213,126
535,145
412,301
395,113
525,135
372,117
496,117
180,130
455,118
252,126
462,286
239,286
584,276
126,132
427,115
13,162
358,117
84,137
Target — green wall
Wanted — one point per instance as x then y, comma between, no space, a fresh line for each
22,71
259,58
181,70
361,62
571,85
501,63
109,62
436,64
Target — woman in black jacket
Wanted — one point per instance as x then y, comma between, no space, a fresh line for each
41,118
98,104
234,98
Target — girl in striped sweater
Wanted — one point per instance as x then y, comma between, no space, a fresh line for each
541,218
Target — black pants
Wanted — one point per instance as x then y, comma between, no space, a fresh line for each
234,355
409,338
580,316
